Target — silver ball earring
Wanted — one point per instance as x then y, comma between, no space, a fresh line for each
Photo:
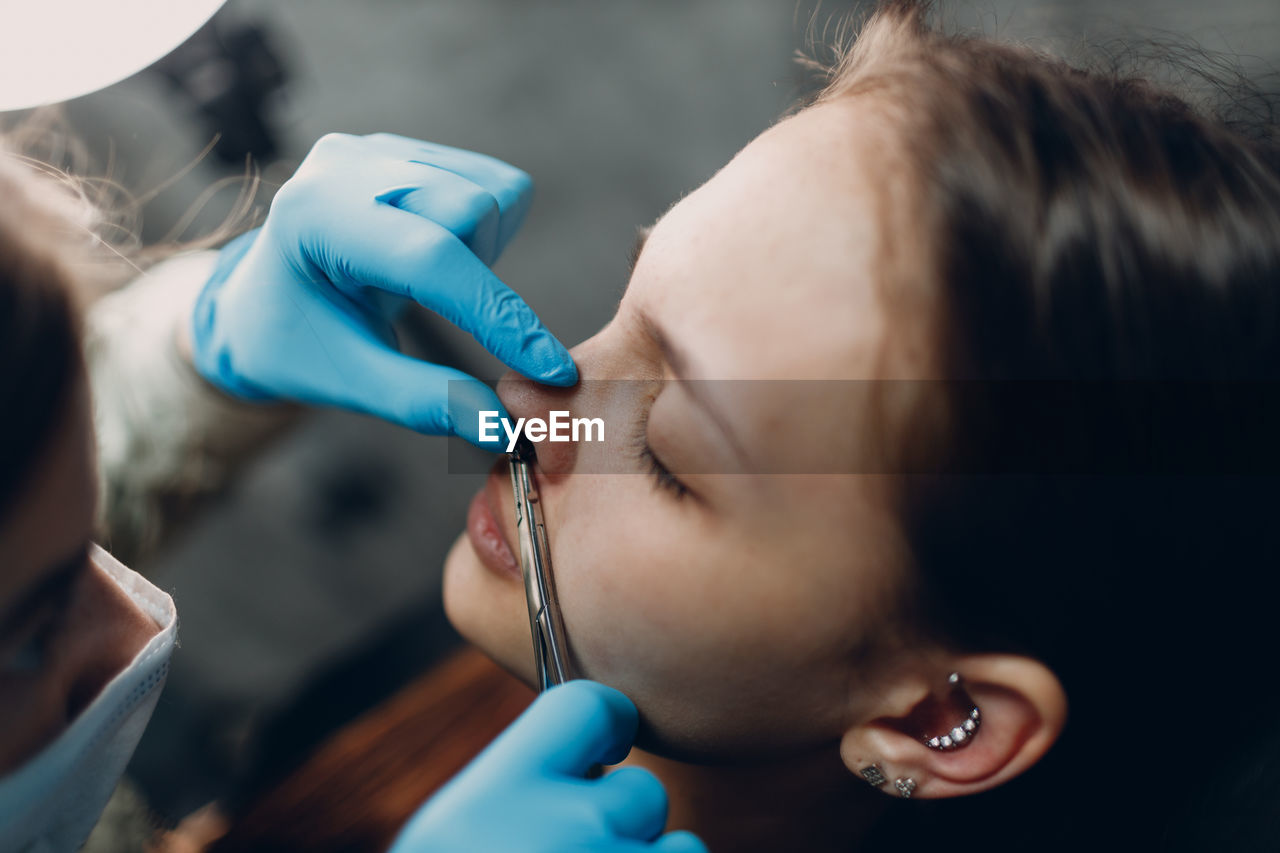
961,734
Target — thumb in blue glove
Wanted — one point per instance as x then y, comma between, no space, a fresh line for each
301,309
528,791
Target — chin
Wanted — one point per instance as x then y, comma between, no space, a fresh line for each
490,613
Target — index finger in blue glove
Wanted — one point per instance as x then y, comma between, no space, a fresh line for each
510,187
569,729
421,396
402,253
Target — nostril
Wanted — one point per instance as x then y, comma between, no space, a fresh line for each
545,416
525,451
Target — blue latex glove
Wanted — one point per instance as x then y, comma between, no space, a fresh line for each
301,308
528,792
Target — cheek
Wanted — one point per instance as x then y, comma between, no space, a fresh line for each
730,641
624,605
699,628
34,710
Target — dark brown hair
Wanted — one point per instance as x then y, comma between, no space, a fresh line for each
1089,228
39,342
65,239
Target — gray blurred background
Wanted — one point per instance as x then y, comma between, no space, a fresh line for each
310,589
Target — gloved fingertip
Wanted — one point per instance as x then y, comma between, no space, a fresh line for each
545,360
563,375
615,702
558,367
621,712
679,841
474,413
634,802
595,724
490,444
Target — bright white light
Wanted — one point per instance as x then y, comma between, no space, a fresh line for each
58,49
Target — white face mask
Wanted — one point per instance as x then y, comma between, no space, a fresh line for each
51,803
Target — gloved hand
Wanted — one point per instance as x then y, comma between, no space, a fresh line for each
528,792
301,309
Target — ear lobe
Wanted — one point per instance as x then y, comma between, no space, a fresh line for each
1022,708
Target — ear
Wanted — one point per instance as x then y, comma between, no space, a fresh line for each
1022,707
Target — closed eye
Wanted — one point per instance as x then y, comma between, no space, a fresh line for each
662,476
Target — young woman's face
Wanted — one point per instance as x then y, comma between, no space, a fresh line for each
734,615
65,627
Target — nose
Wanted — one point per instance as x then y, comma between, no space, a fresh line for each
104,631
598,361
527,399
612,378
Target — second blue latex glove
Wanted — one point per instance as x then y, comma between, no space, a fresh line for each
528,792
301,309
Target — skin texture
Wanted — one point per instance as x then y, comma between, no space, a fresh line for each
752,621
737,617
732,278
82,637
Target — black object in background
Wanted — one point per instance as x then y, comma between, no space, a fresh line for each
229,73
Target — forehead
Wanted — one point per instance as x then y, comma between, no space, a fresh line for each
769,269
775,269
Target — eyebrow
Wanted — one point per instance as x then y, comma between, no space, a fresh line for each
678,361
52,587
676,358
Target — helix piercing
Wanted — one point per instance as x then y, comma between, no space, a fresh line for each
961,734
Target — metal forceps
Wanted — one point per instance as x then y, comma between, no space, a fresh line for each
550,650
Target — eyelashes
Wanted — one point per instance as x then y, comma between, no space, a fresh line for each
662,476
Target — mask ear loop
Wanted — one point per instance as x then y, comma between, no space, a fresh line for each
963,733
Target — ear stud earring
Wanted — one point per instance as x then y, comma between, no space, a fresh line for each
963,733
875,778
874,775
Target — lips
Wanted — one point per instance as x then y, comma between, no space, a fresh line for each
487,527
